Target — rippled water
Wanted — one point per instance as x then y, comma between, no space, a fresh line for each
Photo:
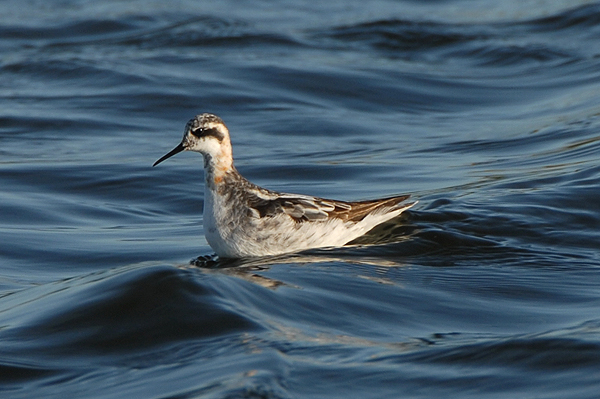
486,112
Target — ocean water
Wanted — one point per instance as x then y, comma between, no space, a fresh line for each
486,112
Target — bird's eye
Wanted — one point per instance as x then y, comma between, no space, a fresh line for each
197,132
208,132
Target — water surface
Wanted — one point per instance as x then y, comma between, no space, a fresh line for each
487,113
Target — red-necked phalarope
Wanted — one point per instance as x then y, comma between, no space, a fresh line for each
242,219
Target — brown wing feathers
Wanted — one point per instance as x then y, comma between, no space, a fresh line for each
358,210
302,209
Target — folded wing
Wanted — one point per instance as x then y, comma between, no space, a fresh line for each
308,209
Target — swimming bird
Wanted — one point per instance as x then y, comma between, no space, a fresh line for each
243,220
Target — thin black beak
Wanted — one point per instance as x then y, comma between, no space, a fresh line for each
174,151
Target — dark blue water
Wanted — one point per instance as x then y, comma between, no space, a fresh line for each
486,112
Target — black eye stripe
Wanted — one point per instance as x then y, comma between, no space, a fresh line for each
207,132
